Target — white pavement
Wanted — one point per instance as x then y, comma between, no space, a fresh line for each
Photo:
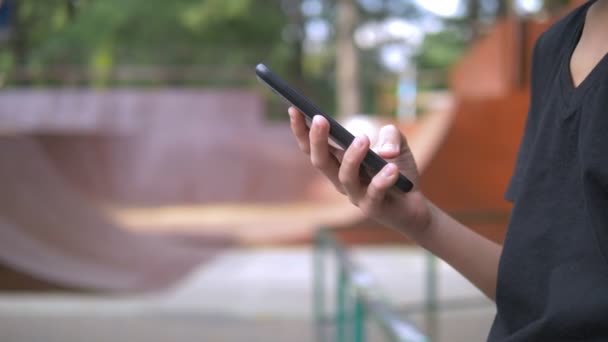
242,295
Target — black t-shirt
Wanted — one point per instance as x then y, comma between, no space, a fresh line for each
553,272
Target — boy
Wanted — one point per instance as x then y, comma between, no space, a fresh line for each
550,279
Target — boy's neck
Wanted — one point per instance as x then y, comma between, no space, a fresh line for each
601,6
599,11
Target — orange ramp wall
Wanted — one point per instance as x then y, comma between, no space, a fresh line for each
470,172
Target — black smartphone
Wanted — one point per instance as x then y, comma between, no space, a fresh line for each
372,163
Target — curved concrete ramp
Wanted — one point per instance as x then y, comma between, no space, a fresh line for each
50,231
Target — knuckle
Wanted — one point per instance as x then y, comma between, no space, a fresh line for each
346,174
347,180
376,190
342,177
373,188
373,197
318,162
350,158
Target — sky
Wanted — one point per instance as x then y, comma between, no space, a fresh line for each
443,8
385,33
451,8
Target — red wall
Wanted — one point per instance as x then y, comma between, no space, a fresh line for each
470,173
471,170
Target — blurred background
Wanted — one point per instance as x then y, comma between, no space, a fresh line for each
150,188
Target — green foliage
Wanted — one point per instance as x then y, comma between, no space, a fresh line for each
441,50
107,33
223,38
178,32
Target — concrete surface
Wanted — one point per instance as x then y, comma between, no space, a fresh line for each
243,295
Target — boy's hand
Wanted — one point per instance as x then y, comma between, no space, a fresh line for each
409,213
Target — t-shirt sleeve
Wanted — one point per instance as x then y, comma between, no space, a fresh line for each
539,72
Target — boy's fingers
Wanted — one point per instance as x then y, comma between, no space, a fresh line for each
379,186
320,154
389,142
349,174
299,129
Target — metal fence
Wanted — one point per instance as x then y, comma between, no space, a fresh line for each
357,299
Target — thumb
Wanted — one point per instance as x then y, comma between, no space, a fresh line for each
389,142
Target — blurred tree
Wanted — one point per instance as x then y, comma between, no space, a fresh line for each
554,5
340,56
225,38
347,61
440,50
32,20
474,17
294,35
102,34
503,7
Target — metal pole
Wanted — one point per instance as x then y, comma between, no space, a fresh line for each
341,305
431,297
319,287
360,335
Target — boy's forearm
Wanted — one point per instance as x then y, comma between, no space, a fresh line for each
473,255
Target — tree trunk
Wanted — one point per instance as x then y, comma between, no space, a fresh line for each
473,14
18,41
507,8
504,7
347,64
296,19
71,9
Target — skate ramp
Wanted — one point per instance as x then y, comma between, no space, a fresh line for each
143,185
49,230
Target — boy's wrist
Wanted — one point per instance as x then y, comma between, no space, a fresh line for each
428,232
420,226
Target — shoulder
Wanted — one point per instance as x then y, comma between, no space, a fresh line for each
552,46
553,40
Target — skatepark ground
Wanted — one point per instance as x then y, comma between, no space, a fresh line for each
245,294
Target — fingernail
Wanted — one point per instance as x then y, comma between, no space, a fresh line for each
389,169
316,120
388,147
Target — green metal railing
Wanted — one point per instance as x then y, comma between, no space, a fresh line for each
356,299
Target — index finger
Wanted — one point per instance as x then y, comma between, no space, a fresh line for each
299,129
